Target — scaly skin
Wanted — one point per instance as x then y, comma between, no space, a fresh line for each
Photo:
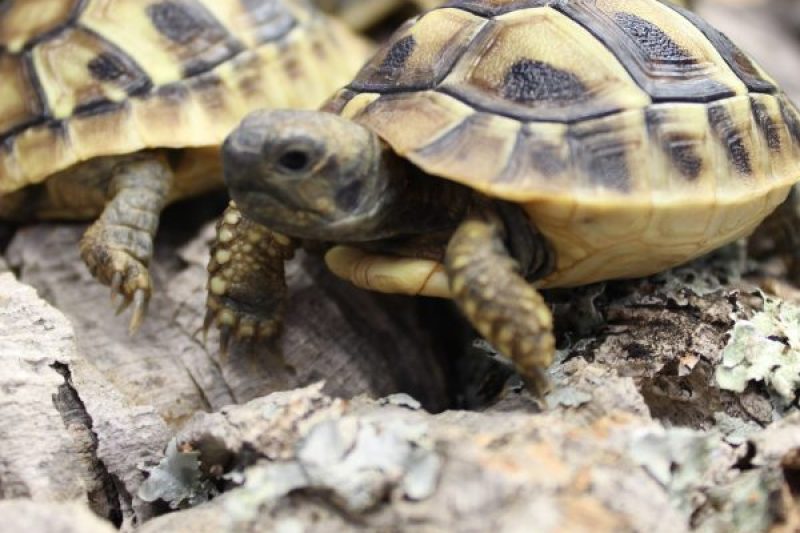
246,284
118,247
505,309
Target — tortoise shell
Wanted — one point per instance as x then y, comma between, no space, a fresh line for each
635,135
89,78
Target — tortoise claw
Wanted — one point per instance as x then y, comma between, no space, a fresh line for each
224,340
130,286
140,300
237,327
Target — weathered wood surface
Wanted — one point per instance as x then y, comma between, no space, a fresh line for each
334,332
67,433
26,515
331,465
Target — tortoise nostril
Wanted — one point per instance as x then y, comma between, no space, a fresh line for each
294,160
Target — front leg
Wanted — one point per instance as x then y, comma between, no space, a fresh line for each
505,309
118,247
246,279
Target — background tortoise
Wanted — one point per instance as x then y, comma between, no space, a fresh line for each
119,106
579,140
366,15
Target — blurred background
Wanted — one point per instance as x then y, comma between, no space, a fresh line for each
767,29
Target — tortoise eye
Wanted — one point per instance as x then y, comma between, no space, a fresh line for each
294,160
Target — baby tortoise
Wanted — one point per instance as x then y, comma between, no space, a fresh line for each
493,147
114,108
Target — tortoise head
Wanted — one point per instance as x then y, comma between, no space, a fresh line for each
308,174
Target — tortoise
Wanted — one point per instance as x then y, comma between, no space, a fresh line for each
118,107
492,148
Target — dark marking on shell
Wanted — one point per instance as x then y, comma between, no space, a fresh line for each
609,169
249,72
681,150
683,155
657,45
105,67
175,21
658,64
176,92
270,20
426,74
204,41
114,65
397,56
205,82
546,159
601,153
739,62
731,138
766,125
209,90
791,119
529,80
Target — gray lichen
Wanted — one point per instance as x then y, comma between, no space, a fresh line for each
765,348
679,459
744,505
177,480
356,462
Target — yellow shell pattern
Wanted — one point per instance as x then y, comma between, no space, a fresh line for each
89,78
635,135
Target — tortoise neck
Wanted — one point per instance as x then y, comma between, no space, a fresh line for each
417,203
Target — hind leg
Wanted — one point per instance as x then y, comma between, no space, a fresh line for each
118,247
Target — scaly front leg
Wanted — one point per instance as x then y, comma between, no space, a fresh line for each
118,247
505,309
246,279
